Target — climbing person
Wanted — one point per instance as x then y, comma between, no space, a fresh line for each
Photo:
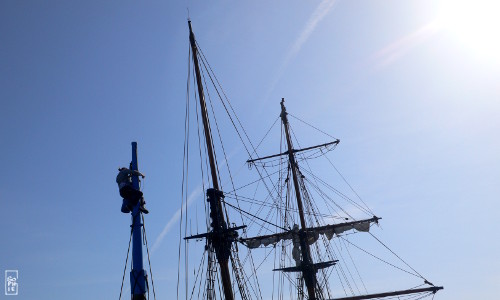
129,194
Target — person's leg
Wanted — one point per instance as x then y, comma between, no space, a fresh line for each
133,196
125,207
143,207
126,192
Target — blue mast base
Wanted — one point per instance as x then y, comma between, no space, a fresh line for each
138,284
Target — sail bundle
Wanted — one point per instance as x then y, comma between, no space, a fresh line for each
312,234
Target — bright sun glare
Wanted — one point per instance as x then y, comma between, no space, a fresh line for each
476,23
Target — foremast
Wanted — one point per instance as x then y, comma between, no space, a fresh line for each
307,266
220,237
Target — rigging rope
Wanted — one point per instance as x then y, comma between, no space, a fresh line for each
184,163
255,181
201,158
205,63
126,261
312,126
149,260
355,267
352,189
239,209
241,285
388,263
210,129
263,203
269,130
399,258
339,193
343,178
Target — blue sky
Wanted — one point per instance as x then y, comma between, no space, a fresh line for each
411,94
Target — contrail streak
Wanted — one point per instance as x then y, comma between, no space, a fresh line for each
319,13
175,218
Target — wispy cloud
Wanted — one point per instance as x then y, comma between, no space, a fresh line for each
319,13
400,47
175,218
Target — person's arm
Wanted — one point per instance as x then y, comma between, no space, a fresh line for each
138,173
133,172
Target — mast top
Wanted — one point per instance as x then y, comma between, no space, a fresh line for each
283,108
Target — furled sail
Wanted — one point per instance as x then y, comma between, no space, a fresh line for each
312,233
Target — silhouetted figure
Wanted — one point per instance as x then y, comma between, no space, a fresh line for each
130,195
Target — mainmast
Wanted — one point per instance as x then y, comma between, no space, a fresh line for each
220,237
305,235
308,270
293,164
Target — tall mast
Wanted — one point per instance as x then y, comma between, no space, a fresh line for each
308,270
137,275
293,164
203,106
219,236
306,265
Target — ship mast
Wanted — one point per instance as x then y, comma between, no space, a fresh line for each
137,275
308,271
305,234
220,237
